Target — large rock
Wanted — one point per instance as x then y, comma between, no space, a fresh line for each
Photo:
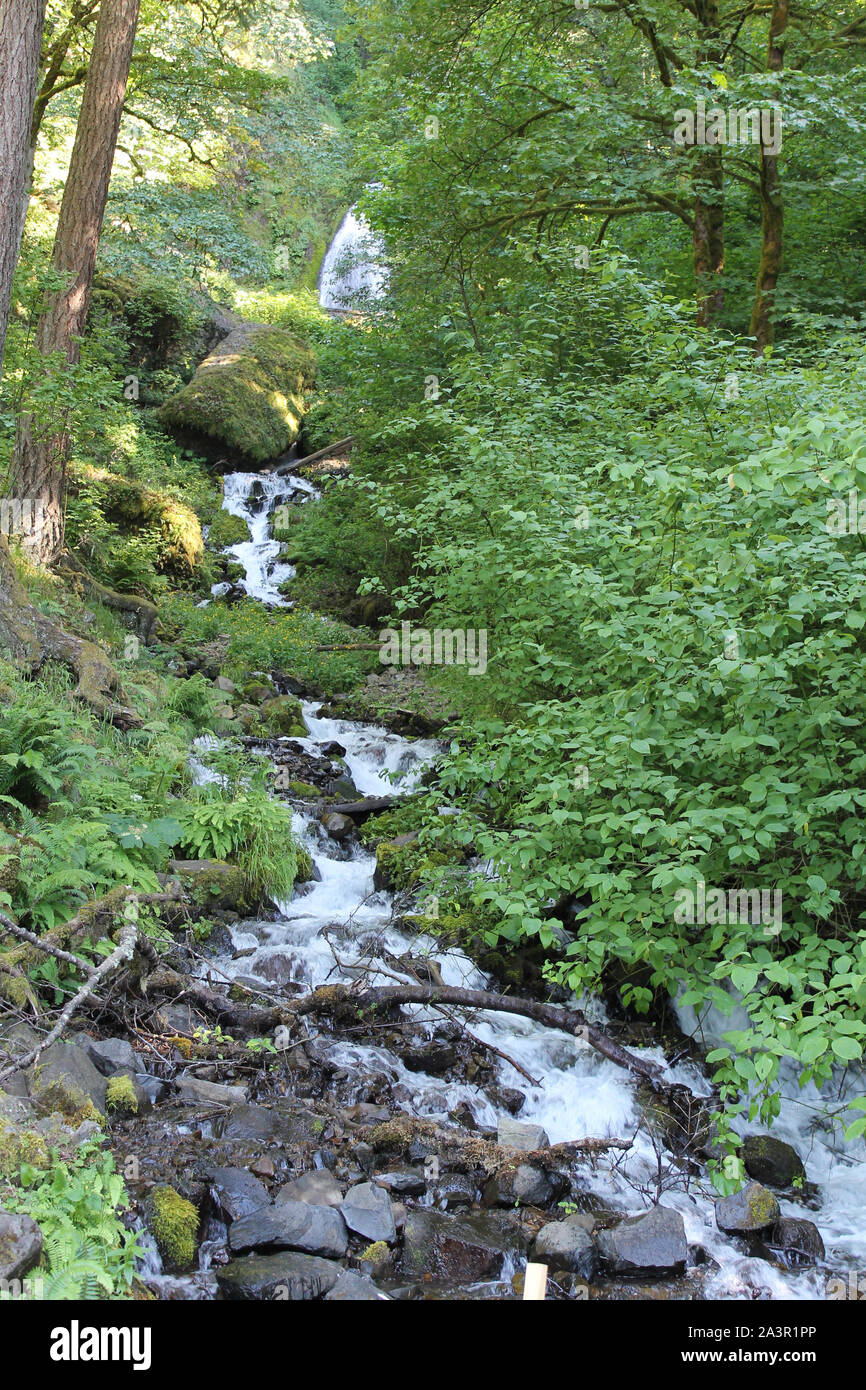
354,1288
238,1192
290,1277
772,1161
367,1211
338,827
567,1245
193,1091
753,1208
513,1134
283,715
525,1186
267,1126
292,1226
20,1245
793,1242
319,1188
211,883
111,1055
654,1243
66,1080
460,1248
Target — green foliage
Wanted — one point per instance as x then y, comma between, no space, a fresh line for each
252,829
39,756
77,1203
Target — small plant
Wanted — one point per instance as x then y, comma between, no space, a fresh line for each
120,1096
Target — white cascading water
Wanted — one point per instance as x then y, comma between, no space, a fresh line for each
352,271
252,497
580,1093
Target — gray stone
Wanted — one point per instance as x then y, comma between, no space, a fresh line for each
319,1188
652,1243
753,1208
367,1211
409,1182
14,1109
339,827
460,1248
567,1245
513,1134
524,1185
292,1226
66,1077
238,1192
192,1091
225,685
280,1126
354,1288
455,1190
289,1277
772,1161
113,1055
20,1245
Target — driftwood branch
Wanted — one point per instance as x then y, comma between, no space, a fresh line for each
341,446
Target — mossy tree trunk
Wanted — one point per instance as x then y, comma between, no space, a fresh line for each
41,449
761,327
21,25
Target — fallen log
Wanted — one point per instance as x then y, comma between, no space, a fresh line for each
293,465
368,807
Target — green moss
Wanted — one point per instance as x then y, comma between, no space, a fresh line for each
61,1097
133,507
763,1207
304,789
305,866
19,1146
249,394
282,715
120,1096
174,1222
226,530
375,1253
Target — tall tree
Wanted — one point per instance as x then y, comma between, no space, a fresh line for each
21,25
772,212
41,449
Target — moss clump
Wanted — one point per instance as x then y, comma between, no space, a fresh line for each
226,530
120,1096
375,1253
174,1222
305,789
305,866
249,393
61,1097
133,507
282,715
763,1207
19,1146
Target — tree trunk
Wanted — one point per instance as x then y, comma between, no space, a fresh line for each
21,25
772,212
41,449
708,238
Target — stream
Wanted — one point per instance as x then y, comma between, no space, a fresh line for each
339,928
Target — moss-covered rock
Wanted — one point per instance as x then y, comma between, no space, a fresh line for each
19,1146
174,1222
249,394
772,1161
134,508
226,530
120,1096
212,883
282,715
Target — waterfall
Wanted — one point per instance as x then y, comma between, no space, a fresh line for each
352,273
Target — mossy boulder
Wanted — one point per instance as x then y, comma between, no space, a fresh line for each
283,715
132,507
19,1146
212,883
174,1222
248,394
226,530
772,1161
753,1208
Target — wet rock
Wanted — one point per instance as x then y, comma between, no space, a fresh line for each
463,1248
343,787
290,1276
753,1208
280,968
391,862
793,1242
434,1058
112,1055
506,1098
364,1114
409,1182
512,1134
567,1245
263,1167
650,1244
354,1288
292,1226
320,1188
238,1192
455,1190
193,1091
20,1245
367,1211
337,826
281,1126
526,1185
771,1161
